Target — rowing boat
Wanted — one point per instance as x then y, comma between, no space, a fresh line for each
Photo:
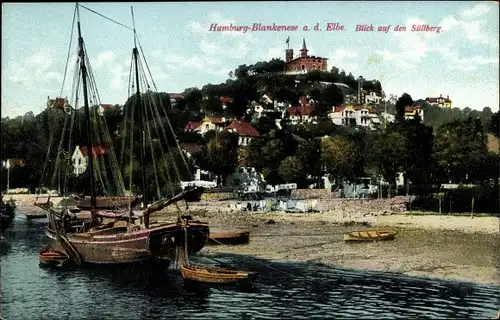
216,275
230,237
369,235
52,257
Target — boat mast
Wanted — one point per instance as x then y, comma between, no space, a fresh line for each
90,166
141,130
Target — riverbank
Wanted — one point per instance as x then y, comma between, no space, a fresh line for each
446,247
449,247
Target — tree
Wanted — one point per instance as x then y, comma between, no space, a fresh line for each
337,156
460,148
219,157
404,101
388,155
494,124
290,169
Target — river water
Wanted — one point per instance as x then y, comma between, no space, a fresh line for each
282,291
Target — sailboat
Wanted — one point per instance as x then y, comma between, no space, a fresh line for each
129,237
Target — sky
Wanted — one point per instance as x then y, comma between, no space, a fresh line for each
460,61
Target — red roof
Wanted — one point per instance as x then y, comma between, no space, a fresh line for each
412,108
243,129
216,119
191,148
96,151
106,106
305,110
57,103
192,125
435,100
243,163
225,100
175,96
355,107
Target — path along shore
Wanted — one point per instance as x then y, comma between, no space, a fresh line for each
449,247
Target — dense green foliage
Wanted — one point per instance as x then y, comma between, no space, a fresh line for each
450,146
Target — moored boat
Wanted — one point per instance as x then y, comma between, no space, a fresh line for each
52,257
369,235
216,275
92,240
230,237
7,213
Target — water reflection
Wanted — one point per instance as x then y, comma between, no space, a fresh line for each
282,290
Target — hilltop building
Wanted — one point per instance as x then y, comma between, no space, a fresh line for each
303,63
439,102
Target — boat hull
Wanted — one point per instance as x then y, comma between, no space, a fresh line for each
369,235
119,246
53,258
216,275
7,213
229,238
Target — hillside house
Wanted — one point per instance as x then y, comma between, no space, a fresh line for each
58,104
303,112
352,115
439,102
205,125
372,98
245,131
411,111
173,98
80,155
104,107
259,109
225,101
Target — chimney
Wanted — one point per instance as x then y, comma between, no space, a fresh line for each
448,97
441,95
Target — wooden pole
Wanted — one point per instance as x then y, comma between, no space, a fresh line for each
440,198
472,209
450,205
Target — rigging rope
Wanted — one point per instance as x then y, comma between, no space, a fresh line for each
118,23
69,51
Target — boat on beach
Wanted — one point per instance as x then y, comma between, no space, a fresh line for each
229,237
369,235
129,237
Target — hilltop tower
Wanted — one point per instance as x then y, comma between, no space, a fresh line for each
303,51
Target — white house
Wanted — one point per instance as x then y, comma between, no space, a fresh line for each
303,113
372,98
79,157
245,132
354,116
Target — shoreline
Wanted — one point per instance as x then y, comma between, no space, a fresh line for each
414,252
447,247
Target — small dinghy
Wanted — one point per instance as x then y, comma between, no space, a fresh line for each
374,235
229,237
52,257
216,275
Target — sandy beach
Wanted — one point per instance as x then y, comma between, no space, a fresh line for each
449,247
